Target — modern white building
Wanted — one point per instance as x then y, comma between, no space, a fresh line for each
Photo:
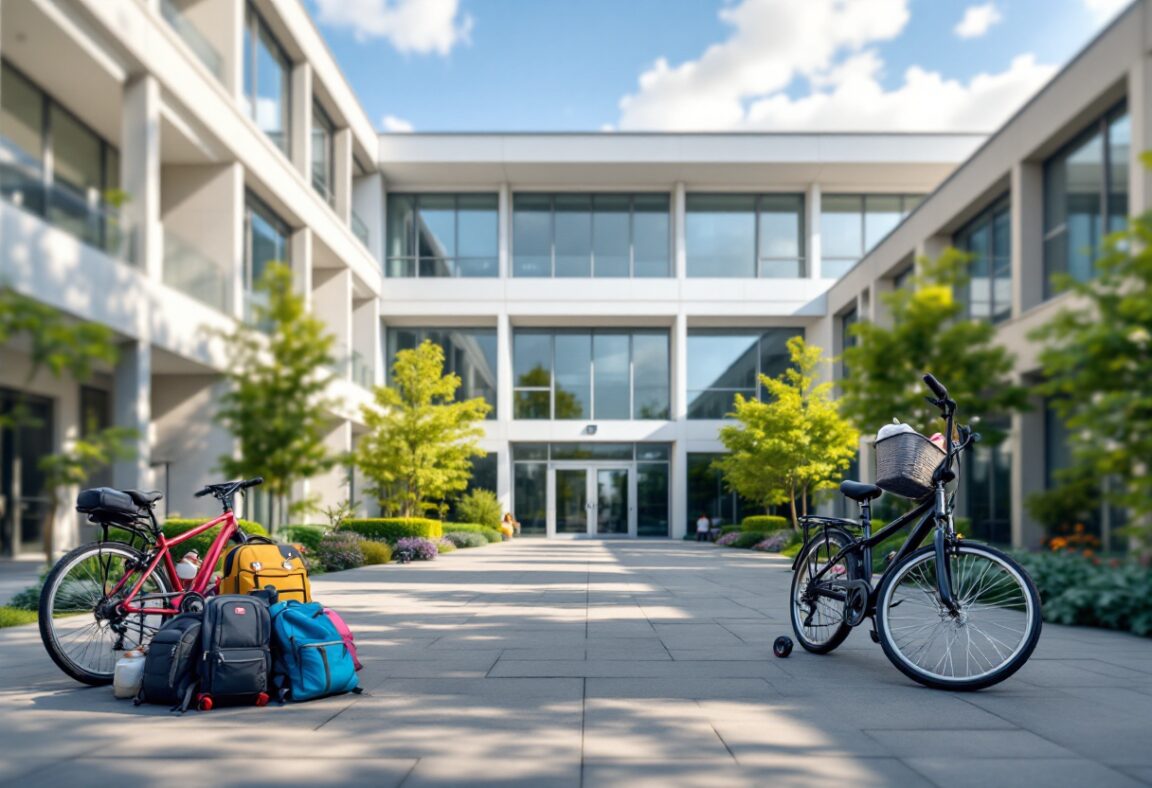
607,293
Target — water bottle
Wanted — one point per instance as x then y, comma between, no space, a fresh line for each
128,675
188,567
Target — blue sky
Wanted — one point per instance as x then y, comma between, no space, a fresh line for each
587,65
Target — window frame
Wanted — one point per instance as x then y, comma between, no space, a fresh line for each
865,249
254,205
961,239
413,262
551,197
758,260
254,25
323,121
391,347
760,334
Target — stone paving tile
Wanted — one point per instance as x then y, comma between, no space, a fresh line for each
591,663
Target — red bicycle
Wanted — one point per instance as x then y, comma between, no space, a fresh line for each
111,596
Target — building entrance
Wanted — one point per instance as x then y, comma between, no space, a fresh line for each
25,437
591,500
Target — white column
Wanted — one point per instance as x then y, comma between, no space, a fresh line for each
679,247
504,476
812,230
1027,221
504,376
132,408
332,303
235,186
342,170
300,245
140,171
679,351
1140,113
504,229
300,122
233,37
678,483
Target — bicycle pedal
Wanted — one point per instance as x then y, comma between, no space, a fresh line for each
874,635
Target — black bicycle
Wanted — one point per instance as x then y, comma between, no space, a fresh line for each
953,614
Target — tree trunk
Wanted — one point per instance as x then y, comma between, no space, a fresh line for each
792,506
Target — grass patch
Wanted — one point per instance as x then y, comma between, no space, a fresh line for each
15,617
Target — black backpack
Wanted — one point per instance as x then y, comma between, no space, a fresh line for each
171,667
236,660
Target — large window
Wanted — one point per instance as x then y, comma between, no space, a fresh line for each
443,235
267,78
468,352
591,374
583,235
988,480
988,239
708,494
267,238
80,191
323,160
851,224
725,362
745,235
847,337
1085,197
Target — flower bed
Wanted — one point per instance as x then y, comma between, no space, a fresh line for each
421,549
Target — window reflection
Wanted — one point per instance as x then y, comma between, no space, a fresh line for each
725,362
987,238
442,235
267,71
852,224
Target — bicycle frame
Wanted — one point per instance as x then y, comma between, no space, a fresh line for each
163,553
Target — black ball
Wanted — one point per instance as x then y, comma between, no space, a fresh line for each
782,647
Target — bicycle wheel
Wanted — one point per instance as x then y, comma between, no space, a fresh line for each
818,620
986,641
81,628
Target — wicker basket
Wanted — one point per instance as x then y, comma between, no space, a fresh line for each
905,463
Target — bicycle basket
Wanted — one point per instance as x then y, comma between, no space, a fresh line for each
905,463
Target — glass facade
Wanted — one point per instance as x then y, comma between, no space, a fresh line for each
591,235
725,362
443,235
468,352
852,224
598,374
267,80
847,338
267,240
323,159
1085,197
988,490
80,192
745,235
988,239
708,494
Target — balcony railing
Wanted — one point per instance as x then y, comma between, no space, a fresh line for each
363,372
192,36
87,215
359,229
190,271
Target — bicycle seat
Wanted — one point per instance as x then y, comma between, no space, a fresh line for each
144,498
859,491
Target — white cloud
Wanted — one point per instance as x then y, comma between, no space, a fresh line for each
977,20
1104,10
420,26
742,83
396,125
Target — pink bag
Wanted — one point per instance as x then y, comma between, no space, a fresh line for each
346,633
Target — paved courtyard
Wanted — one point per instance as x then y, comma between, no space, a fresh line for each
599,663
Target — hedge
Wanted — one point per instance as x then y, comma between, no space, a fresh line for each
375,552
490,534
14,617
201,543
307,535
1088,591
764,523
729,529
391,529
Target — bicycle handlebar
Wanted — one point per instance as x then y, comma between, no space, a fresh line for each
228,488
936,386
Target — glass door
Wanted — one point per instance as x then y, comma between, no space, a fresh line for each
572,501
612,502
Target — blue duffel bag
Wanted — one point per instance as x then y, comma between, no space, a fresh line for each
310,657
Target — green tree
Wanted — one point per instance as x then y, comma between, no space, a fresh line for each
480,506
61,346
928,333
1097,359
277,407
793,443
420,441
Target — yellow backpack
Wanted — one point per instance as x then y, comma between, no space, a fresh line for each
259,563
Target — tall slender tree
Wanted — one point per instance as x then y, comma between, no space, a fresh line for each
278,406
421,441
792,443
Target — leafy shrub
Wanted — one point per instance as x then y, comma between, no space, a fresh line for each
375,552
444,545
308,536
764,523
200,543
1087,591
482,507
29,598
728,539
391,529
730,529
773,544
492,535
792,550
422,549
340,550
14,616
466,539
745,540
